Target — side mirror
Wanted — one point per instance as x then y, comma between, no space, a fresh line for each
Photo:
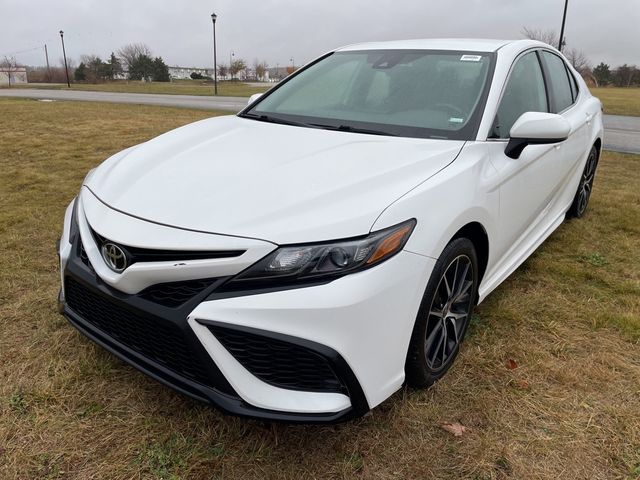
536,128
253,98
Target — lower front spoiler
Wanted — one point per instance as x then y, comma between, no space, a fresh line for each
226,403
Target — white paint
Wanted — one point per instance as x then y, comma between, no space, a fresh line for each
252,184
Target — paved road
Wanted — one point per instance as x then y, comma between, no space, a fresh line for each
622,134
191,101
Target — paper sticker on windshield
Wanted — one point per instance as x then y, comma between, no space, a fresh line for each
470,58
456,120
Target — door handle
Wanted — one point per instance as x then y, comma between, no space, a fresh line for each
589,117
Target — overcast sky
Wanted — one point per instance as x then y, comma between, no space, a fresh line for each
277,30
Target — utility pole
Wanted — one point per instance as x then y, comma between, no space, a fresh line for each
64,54
46,55
215,59
564,18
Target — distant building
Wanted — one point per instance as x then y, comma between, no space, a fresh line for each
123,75
246,74
250,74
18,76
277,73
182,73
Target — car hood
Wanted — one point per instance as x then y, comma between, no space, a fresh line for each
285,184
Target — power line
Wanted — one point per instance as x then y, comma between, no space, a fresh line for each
21,51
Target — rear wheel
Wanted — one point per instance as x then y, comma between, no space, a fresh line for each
581,200
444,314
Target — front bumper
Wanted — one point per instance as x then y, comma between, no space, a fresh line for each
318,354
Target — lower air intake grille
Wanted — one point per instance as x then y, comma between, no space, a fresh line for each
176,293
279,363
155,339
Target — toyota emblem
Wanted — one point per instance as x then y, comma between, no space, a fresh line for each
114,257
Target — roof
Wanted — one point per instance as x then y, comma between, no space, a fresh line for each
470,44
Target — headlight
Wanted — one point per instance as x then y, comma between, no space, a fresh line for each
316,262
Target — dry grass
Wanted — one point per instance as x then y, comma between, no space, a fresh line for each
178,87
619,101
569,318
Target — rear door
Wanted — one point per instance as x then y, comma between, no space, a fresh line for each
564,100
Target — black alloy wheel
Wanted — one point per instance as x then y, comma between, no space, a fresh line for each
449,313
581,199
444,314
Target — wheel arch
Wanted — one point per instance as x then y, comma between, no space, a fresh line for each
598,145
476,232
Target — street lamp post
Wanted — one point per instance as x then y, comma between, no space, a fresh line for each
564,18
231,55
293,65
215,59
64,54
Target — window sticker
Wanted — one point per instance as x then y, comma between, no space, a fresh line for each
456,120
470,58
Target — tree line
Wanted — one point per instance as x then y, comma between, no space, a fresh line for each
135,59
622,76
602,75
237,65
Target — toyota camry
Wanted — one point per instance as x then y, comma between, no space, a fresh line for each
304,259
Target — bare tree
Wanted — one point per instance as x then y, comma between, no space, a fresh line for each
576,57
236,67
623,75
132,52
9,65
546,36
260,68
71,67
579,60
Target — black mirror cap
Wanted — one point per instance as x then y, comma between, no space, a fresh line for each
516,145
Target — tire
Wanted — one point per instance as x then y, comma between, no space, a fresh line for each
443,317
583,194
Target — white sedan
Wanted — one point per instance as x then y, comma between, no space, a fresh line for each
304,259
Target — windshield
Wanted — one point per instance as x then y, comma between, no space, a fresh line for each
413,93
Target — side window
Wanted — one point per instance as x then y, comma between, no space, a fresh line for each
524,92
560,85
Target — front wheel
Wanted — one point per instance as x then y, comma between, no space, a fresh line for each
581,199
443,317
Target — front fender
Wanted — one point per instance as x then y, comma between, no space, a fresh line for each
466,191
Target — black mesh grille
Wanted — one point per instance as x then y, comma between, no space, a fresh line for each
279,363
176,293
83,256
157,340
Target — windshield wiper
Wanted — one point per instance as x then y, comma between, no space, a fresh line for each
272,119
349,128
340,128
